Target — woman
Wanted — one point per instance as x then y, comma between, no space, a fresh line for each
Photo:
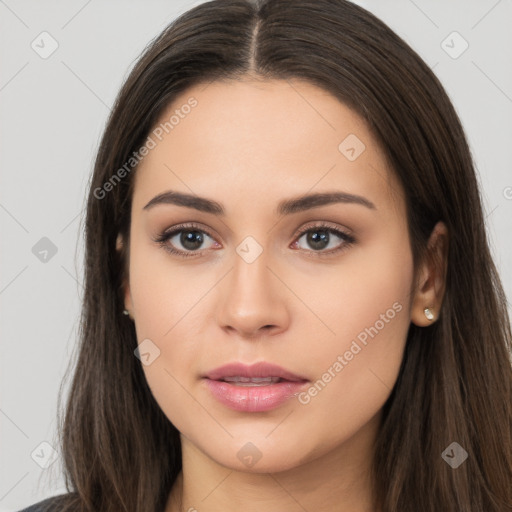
290,302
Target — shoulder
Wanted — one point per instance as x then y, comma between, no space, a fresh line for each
49,504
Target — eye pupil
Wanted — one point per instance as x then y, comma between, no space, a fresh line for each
193,237
318,242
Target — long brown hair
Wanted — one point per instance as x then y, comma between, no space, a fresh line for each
120,451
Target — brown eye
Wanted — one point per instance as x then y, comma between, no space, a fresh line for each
190,237
318,238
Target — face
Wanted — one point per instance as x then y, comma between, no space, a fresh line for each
320,288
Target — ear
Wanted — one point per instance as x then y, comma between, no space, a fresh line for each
431,278
120,247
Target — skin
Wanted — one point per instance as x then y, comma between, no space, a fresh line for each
248,145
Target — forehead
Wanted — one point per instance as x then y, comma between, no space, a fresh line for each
262,137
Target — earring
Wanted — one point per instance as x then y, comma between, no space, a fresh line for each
428,313
126,312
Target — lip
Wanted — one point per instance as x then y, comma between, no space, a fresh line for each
253,398
261,369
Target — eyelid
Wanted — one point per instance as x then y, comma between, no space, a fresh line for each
347,236
193,226
169,233
344,233
323,224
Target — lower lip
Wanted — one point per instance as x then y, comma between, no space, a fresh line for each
254,398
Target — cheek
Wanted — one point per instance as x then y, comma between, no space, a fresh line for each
167,301
373,309
168,314
165,294
358,366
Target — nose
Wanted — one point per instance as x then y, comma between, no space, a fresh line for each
254,300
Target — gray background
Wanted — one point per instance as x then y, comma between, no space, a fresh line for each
53,112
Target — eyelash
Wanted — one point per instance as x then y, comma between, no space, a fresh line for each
163,237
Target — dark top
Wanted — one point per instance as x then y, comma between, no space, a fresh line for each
46,505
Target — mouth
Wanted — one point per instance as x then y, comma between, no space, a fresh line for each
255,381
257,388
258,374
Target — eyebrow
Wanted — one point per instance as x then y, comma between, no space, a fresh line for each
285,207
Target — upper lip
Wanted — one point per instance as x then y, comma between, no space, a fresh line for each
261,369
